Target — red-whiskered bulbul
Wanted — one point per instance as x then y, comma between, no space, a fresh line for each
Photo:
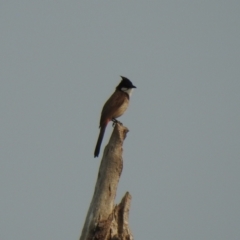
115,106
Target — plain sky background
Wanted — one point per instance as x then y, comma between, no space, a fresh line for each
61,60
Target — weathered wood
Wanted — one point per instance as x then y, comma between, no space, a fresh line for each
119,228
104,220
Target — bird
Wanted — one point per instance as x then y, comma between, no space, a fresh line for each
114,107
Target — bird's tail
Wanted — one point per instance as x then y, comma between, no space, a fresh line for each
99,141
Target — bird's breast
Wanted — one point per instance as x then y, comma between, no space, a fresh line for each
121,109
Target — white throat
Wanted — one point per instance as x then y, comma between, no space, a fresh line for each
128,91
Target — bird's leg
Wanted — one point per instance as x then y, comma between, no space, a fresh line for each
115,121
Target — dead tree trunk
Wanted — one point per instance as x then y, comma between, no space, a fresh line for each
104,220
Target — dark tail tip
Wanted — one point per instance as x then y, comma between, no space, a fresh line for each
99,141
97,150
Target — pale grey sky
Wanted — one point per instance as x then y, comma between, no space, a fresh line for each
61,60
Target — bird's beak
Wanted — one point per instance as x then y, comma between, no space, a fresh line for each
133,86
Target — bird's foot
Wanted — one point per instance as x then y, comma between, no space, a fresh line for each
115,121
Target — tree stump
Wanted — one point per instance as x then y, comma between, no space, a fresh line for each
104,220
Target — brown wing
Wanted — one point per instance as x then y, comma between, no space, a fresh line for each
115,106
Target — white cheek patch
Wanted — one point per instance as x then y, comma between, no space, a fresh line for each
128,91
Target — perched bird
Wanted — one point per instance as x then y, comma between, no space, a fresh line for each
115,106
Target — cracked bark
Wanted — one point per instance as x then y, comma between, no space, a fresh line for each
105,220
